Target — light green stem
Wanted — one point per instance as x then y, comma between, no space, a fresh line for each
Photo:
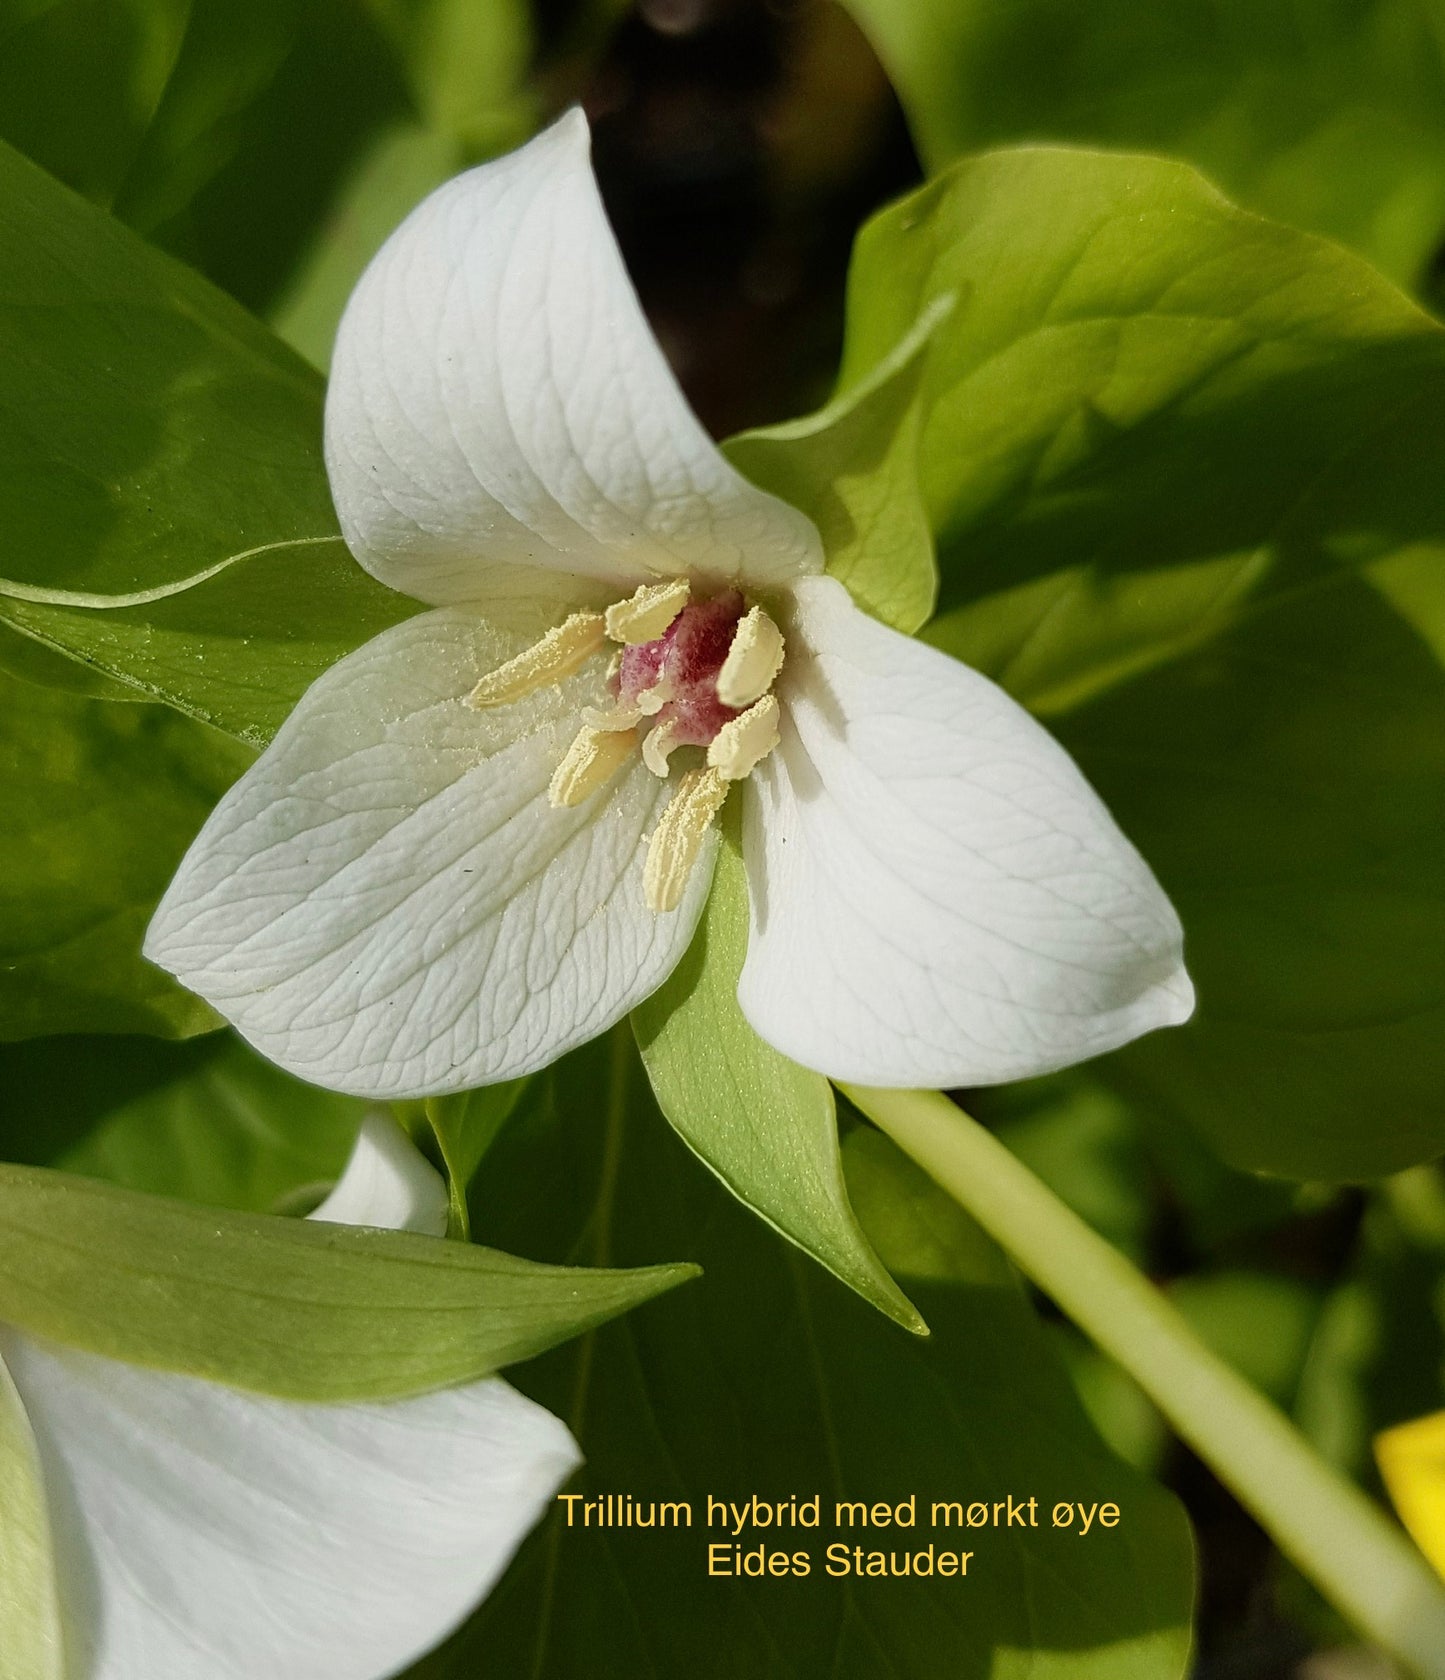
1342,1541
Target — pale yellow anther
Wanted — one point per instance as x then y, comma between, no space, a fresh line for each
745,741
648,613
658,745
677,839
594,758
754,659
559,653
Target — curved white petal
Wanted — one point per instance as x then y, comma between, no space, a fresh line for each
939,898
496,394
387,1182
387,904
201,1532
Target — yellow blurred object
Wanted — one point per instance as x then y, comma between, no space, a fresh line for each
1411,1457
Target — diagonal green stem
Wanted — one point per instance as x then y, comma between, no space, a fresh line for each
1341,1540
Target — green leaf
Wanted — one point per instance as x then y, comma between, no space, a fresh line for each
466,65
1182,469
1379,1344
395,172
30,1628
226,1129
853,469
32,662
764,1125
1328,116
466,1126
134,389
769,1379
1259,1321
167,517
101,801
237,650
306,1311
80,80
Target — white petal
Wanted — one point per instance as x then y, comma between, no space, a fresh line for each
939,898
496,394
387,904
201,1532
387,1182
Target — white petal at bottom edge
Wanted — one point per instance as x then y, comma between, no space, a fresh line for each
205,1534
939,898
387,904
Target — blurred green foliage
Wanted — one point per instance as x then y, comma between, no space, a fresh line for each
1329,114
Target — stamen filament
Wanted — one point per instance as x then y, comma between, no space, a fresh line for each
648,614
677,839
560,652
753,660
594,758
658,745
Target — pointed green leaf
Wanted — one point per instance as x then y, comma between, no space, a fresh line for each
763,1124
306,1311
30,1629
853,469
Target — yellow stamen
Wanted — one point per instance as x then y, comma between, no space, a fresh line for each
649,612
559,653
744,741
594,758
754,659
657,746
677,839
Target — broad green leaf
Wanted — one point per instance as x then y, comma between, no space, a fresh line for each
222,132
395,172
30,1627
764,1125
23,657
237,650
80,80
768,1378
284,1306
226,1129
101,801
168,523
1330,116
1168,450
466,68
466,1126
59,1090
853,469
150,430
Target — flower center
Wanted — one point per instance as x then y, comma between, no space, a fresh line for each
690,674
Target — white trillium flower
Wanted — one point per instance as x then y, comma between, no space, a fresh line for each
200,1531
480,840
